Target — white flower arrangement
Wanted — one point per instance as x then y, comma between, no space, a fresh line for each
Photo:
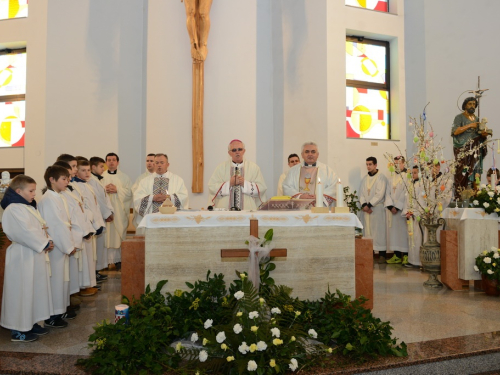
243,348
313,333
261,346
208,323
275,332
491,194
486,204
203,355
275,310
194,337
476,269
237,328
253,315
487,260
490,272
221,336
293,364
252,365
475,202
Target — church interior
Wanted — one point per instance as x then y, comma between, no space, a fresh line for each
117,76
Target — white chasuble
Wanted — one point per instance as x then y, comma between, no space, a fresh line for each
398,231
121,201
169,184
252,193
137,218
54,212
302,179
27,294
373,192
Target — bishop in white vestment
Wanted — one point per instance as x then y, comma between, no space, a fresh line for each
119,189
237,182
301,180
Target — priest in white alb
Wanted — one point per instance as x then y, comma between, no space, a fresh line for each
301,180
237,183
160,186
150,169
118,187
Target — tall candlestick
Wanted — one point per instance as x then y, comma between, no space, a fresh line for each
340,194
319,194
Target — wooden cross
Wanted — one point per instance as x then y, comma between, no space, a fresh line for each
244,253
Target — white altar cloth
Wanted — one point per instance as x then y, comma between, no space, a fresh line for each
468,213
185,219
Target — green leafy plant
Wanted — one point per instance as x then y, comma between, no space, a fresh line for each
259,338
488,263
140,346
352,200
350,327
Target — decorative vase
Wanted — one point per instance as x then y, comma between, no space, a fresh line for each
465,203
490,287
430,253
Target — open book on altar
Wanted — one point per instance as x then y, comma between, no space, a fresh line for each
280,204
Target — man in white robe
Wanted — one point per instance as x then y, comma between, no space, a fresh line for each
150,169
396,197
293,159
157,188
301,180
119,188
27,295
372,196
237,183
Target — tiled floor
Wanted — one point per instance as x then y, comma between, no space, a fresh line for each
73,339
416,313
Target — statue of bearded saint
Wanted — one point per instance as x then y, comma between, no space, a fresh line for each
198,26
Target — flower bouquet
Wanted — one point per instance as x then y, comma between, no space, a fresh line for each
259,338
487,263
487,197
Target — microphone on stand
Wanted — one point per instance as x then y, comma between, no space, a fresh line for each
236,173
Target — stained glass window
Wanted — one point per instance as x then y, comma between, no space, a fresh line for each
13,74
380,5
367,113
365,62
367,89
13,9
12,123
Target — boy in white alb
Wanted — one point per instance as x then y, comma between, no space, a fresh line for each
97,169
27,297
55,211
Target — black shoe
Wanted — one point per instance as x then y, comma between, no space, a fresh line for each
39,330
69,314
23,336
100,278
56,323
118,266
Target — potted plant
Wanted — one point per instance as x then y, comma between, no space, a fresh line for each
488,264
487,197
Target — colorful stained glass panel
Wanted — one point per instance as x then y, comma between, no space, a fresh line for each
380,5
367,113
365,62
13,74
12,123
13,9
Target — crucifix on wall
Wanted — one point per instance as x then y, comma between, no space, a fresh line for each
198,26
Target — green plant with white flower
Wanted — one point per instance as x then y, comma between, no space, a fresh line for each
488,197
488,263
259,339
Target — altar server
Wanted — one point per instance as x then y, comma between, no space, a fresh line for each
81,185
237,182
293,159
160,186
395,201
55,211
27,296
97,169
372,195
118,186
301,180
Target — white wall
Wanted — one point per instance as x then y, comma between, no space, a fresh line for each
449,44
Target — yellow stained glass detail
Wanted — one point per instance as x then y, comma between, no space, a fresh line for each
10,9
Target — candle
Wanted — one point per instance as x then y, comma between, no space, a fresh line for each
319,193
340,194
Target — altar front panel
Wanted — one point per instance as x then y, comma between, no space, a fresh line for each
318,257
